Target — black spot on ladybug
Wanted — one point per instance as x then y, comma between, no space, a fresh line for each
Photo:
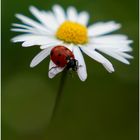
59,54
58,62
51,53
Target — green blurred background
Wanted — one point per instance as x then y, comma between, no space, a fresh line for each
105,107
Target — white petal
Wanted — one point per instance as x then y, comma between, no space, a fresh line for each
32,23
112,46
102,28
112,43
54,70
24,37
30,40
109,39
55,43
69,46
24,30
40,56
124,48
72,14
83,18
99,58
117,51
59,13
28,29
114,55
46,18
52,20
37,14
22,26
125,55
82,72
113,37
40,41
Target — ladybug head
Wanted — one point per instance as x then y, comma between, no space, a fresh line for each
71,63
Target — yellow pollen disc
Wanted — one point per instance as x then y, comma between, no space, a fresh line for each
72,32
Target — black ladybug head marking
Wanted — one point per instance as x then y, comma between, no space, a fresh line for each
71,63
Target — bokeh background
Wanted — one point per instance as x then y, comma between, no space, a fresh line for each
105,107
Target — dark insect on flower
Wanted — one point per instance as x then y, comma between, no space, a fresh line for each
64,58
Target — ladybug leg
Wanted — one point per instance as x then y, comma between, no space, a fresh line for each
80,66
53,68
77,64
71,74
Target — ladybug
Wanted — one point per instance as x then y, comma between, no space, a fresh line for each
63,57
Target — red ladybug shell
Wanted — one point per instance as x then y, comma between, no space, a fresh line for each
59,54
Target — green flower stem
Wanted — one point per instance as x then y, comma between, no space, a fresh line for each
59,92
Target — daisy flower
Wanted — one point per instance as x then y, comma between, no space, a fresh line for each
71,29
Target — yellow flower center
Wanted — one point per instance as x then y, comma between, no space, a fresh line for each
72,32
